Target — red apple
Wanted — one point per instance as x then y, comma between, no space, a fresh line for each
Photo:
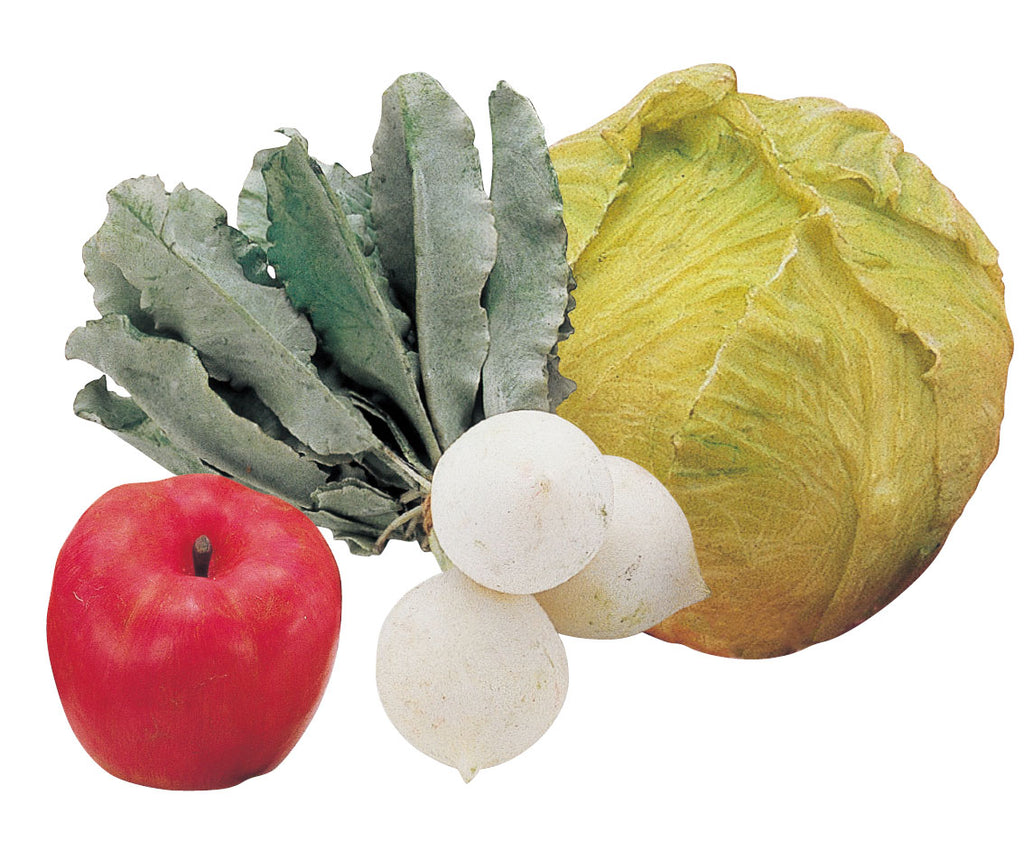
192,628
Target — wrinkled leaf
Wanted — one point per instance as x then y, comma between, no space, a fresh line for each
178,251
360,513
326,275
436,237
361,538
527,293
358,500
353,193
128,421
112,293
251,213
375,413
188,411
560,386
392,201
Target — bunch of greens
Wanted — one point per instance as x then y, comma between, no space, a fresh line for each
334,344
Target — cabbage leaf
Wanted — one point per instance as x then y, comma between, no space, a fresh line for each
799,330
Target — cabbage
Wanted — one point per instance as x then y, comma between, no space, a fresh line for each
789,321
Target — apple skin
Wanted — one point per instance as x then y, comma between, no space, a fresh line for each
182,681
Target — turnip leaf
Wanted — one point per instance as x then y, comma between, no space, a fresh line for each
178,251
191,414
358,500
326,274
128,421
527,293
436,236
251,212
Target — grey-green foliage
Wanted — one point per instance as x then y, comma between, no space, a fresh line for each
168,381
352,326
436,233
177,250
320,259
124,417
527,294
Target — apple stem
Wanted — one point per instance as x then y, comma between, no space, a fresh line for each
202,552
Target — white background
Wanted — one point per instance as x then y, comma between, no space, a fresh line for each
904,733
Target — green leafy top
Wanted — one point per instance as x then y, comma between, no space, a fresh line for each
351,328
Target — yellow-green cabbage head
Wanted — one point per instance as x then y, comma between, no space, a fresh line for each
787,319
